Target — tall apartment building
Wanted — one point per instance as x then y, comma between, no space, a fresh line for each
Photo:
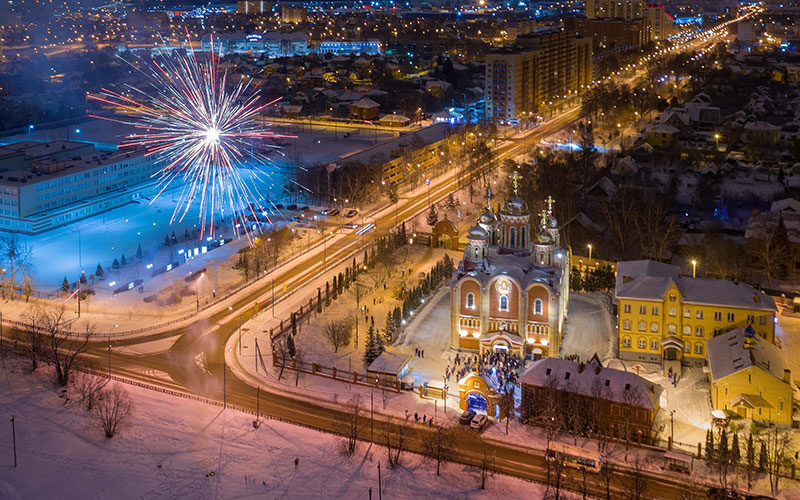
540,68
662,25
46,185
625,9
611,33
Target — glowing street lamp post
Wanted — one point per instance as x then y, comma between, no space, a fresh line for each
694,268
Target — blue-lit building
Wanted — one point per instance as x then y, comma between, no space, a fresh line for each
273,44
350,47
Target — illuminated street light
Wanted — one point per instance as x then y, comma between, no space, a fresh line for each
694,268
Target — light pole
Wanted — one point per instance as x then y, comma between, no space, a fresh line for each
428,183
671,428
197,291
80,258
694,268
590,251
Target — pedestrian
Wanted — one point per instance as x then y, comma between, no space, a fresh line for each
430,423
406,414
296,461
416,417
373,301
423,418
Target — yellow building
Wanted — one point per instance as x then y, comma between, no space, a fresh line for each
667,318
748,376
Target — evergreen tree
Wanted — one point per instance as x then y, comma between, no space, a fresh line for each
327,293
374,346
709,445
389,330
575,279
334,289
340,283
290,347
397,316
115,264
99,272
82,279
186,234
722,448
355,269
319,300
65,285
366,258
294,324
174,239
166,240
735,452
750,453
124,262
762,457
432,217
402,238
139,252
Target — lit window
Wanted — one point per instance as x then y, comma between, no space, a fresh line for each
537,306
627,308
654,327
687,330
699,331
642,343
626,342
471,300
642,326
699,314
626,325
698,348
504,302
654,310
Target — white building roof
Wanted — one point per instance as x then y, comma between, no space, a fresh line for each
735,351
593,380
391,362
366,103
649,280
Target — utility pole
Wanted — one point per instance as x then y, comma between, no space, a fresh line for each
273,297
258,402
371,413
224,386
1,333
380,493
240,334
109,356
14,438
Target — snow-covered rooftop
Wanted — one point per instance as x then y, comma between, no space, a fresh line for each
593,380
735,351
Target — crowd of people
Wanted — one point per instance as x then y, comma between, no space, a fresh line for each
500,367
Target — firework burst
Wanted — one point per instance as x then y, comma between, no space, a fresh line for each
202,128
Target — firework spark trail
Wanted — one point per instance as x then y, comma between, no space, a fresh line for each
198,129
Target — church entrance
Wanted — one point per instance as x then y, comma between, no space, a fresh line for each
476,402
445,235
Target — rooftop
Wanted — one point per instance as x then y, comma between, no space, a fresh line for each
738,350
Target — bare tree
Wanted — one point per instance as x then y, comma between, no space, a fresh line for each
89,387
113,406
507,406
607,475
395,439
486,471
656,226
620,215
636,482
778,443
338,332
64,344
33,319
440,446
556,476
17,258
281,354
299,358
350,424
631,398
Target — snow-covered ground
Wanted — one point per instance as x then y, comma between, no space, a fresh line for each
589,328
172,447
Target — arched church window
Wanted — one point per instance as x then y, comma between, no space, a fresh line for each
537,306
504,302
513,237
471,300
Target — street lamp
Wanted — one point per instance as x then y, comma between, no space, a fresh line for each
428,183
694,268
590,251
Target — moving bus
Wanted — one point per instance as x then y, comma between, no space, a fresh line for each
574,456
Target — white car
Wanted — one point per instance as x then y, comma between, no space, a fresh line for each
479,422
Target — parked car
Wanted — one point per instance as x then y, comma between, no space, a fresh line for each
333,212
723,494
292,207
479,422
279,206
351,213
466,417
351,225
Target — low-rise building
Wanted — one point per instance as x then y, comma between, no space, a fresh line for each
613,402
60,182
667,318
748,376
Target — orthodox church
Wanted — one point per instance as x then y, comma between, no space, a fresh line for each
511,289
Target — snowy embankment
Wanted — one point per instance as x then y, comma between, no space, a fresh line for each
178,448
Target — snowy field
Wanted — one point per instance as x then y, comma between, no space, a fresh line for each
177,448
